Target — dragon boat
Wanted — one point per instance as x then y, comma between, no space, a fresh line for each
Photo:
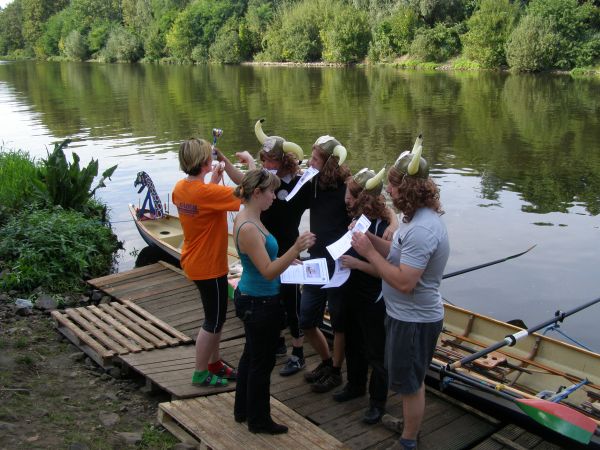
536,367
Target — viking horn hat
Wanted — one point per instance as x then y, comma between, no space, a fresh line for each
276,143
332,146
411,163
369,180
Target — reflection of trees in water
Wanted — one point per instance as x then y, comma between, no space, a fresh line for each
534,134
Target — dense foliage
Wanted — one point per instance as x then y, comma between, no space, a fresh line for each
489,33
42,244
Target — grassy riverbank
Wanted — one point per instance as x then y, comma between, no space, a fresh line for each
53,235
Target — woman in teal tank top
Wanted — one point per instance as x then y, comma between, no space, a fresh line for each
257,301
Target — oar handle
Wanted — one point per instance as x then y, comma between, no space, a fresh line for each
479,354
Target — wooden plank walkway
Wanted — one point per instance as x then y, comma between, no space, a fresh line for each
187,419
165,292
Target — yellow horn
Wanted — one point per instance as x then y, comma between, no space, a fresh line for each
413,166
374,182
341,152
418,141
260,134
290,147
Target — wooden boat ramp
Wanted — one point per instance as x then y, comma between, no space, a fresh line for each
148,329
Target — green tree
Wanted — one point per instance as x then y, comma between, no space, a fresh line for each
438,44
122,45
572,24
532,45
489,28
76,46
98,35
198,25
295,33
227,46
393,35
11,37
35,14
257,19
347,38
49,42
436,11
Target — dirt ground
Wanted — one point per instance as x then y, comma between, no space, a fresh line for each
52,396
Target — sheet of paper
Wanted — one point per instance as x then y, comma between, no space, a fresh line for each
305,178
341,246
339,277
311,271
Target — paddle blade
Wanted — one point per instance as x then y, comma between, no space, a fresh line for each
560,418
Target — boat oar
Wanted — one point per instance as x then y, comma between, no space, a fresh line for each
555,416
481,266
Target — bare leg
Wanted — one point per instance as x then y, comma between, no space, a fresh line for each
413,409
339,347
316,338
207,348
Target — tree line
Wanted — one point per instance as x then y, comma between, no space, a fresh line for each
524,35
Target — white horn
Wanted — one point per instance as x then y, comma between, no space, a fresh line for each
413,166
341,152
290,147
374,182
260,134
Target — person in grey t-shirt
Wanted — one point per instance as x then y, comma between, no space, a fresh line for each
411,267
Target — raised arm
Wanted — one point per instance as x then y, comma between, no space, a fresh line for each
233,172
252,242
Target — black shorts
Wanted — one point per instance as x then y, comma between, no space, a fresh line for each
213,293
409,348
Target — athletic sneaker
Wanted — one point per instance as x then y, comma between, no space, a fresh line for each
327,382
318,372
292,366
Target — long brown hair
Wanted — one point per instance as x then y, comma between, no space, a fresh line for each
332,174
289,163
413,193
372,206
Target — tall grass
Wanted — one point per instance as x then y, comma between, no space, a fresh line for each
17,172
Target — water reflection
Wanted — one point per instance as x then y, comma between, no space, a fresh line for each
516,156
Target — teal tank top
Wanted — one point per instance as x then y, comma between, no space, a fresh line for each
252,282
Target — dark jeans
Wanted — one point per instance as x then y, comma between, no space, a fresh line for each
262,317
365,346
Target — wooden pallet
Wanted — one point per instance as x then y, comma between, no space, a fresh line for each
164,291
107,330
207,422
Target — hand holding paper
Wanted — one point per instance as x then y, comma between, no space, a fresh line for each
343,244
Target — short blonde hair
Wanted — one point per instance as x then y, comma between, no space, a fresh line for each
193,154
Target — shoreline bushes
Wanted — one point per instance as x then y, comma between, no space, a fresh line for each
490,33
41,242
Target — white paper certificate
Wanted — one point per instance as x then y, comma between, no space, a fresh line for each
305,178
339,277
341,246
311,271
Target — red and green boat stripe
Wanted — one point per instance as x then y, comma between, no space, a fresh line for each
560,418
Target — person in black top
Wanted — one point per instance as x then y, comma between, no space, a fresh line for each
328,221
363,306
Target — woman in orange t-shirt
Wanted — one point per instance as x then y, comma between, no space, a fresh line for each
202,209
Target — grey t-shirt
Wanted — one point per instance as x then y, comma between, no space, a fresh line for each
423,244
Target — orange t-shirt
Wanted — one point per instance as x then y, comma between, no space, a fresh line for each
202,211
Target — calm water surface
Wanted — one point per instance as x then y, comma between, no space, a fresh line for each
517,157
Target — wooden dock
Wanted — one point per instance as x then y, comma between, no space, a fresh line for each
164,292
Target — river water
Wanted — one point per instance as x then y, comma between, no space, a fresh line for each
517,157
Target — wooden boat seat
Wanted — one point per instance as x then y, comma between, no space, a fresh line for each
490,361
